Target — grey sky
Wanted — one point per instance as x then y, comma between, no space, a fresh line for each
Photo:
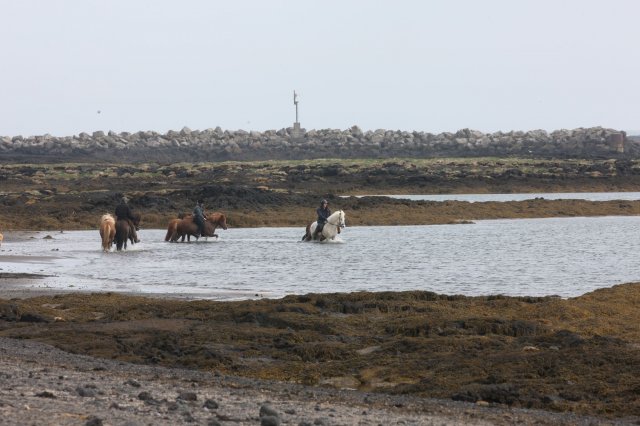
412,65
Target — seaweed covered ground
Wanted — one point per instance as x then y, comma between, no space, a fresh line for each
579,355
286,193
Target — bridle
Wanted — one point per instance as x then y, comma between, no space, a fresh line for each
337,225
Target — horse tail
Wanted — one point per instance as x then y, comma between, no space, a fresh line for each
307,234
104,232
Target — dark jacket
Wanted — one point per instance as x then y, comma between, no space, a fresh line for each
323,214
124,212
198,214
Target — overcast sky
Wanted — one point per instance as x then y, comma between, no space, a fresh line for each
69,66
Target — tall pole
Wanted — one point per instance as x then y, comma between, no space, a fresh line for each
295,102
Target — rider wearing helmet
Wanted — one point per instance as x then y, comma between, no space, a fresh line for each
323,215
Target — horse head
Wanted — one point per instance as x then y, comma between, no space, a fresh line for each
219,219
337,219
136,218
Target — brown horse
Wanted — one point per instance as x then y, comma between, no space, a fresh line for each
185,228
124,231
172,229
107,231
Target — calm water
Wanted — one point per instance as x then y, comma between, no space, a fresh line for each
562,256
591,196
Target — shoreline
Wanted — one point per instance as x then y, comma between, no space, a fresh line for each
487,350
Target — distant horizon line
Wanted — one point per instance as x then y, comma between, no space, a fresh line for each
634,132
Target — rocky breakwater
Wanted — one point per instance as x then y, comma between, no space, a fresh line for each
220,145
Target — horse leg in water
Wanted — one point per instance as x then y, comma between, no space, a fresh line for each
307,235
318,233
122,234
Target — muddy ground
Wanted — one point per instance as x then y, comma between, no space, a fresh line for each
578,355
286,193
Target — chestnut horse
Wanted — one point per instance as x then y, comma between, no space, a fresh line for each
124,231
107,231
186,228
172,229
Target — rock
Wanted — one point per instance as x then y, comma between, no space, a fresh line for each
188,396
268,410
211,404
93,421
269,421
188,417
86,391
145,396
132,382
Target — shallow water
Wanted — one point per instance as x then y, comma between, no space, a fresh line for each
474,198
557,256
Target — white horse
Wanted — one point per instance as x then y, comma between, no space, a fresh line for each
330,230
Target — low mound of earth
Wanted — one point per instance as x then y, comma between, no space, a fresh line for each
286,193
578,355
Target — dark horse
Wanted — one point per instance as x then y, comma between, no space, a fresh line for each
186,228
124,231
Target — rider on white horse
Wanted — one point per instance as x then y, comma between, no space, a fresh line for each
323,215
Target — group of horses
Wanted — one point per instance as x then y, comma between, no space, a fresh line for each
120,231
184,227
117,231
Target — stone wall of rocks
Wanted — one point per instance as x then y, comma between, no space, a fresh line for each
220,145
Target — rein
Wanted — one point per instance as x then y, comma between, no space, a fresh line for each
336,225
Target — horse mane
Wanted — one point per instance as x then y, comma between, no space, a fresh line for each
336,213
216,217
107,217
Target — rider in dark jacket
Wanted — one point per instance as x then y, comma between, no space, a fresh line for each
123,212
199,217
323,215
